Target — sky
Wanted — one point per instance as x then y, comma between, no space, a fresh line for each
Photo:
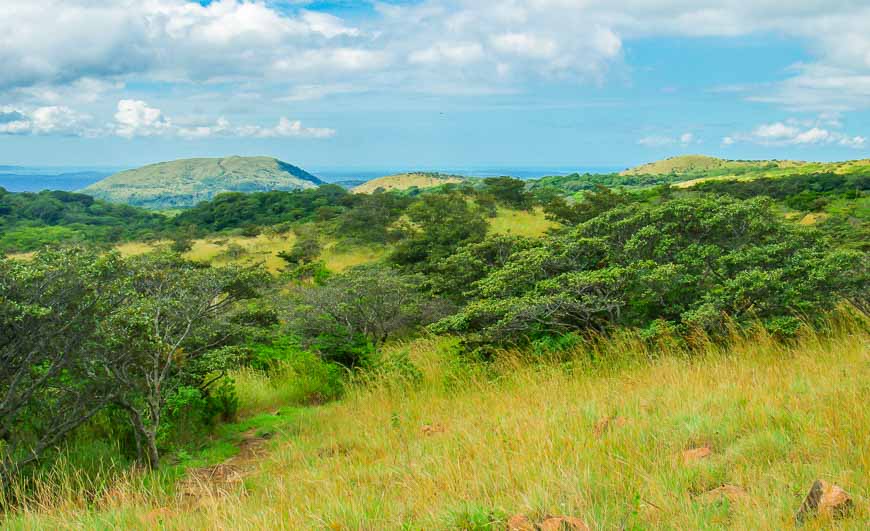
432,83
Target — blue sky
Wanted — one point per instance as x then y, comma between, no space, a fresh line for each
434,83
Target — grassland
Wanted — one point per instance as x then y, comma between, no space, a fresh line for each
404,181
223,250
597,432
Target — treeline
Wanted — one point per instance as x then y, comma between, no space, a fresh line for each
31,220
810,192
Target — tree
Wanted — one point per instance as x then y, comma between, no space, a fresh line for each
371,303
52,375
305,249
172,327
689,261
508,191
441,223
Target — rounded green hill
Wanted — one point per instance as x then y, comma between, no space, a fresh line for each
184,183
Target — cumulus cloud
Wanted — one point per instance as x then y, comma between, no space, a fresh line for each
797,133
89,48
136,118
54,119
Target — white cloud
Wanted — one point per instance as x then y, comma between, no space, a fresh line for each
797,133
136,118
86,49
50,120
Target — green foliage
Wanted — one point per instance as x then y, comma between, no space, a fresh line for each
238,210
508,191
441,223
687,261
306,249
314,379
804,192
371,216
30,221
351,313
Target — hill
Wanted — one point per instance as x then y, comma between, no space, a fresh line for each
405,181
184,183
609,447
702,163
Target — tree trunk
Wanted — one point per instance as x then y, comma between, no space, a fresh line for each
147,436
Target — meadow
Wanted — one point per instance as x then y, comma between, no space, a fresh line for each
602,431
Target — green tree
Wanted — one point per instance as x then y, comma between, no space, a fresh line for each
174,327
440,224
52,372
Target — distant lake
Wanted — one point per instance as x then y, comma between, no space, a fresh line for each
71,178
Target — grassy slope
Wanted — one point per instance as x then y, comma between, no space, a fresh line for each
264,248
405,181
186,182
521,438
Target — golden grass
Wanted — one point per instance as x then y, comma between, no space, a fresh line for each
520,223
405,181
262,249
520,437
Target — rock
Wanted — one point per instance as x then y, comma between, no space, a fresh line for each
520,522
563,523
732,493
835,502
824,499
605,423
432,429
696,454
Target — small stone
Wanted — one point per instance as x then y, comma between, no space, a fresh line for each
520,522
835,502
825,499
696,454
432,429
563,523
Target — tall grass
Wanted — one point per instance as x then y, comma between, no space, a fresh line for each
462,443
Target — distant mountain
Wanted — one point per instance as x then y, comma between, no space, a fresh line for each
184,183
404,181
23,180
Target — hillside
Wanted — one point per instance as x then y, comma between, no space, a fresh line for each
703,163
184,183
405,181
463,446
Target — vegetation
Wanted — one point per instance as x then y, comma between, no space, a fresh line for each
446,340
29,221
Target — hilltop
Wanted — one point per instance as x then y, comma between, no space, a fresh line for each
184,183
405,181
703,163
